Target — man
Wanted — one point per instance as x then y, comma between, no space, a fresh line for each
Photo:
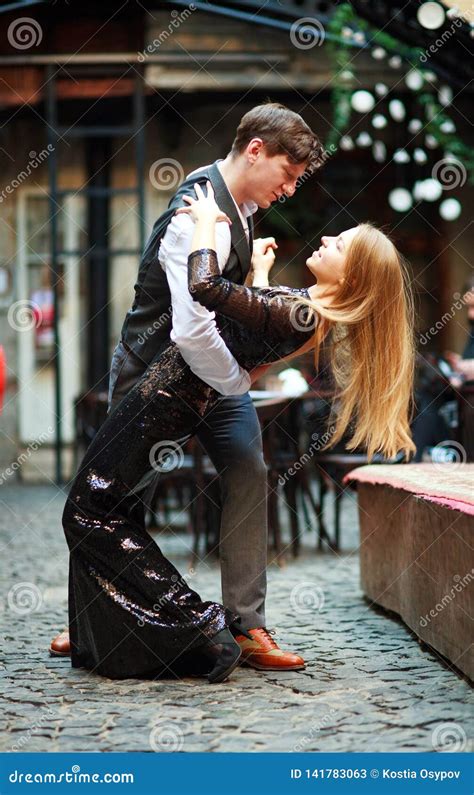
272,149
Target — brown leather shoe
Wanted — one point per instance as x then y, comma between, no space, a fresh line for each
60,645
263,653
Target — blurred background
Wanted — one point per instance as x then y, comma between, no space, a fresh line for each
104,107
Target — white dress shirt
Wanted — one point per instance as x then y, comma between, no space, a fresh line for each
194,329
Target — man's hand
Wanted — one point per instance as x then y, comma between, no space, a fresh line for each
263,258
258,372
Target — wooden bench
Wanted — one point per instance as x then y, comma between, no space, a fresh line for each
417,550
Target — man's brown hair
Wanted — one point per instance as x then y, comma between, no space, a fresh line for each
283,132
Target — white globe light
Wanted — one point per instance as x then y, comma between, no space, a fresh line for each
381,89
346,143
431,15
395,62
431,142
379,121
419,156
363,140
401,156
378,53
396,109
447,126
400,200
445,95
450,209
414,125
379,151
414,80
362,101
418,191
430,76
359,37
432,189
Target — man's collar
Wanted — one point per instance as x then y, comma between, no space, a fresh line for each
246,208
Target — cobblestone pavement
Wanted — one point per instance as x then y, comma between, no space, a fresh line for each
369,685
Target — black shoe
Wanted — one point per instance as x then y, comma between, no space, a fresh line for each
226,652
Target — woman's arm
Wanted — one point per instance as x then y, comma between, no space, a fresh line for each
255,308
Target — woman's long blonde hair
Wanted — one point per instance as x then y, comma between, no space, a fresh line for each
372,355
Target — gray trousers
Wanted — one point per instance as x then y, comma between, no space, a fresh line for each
230,433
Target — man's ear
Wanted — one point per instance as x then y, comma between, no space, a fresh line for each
254,147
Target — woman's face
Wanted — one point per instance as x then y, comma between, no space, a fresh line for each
328,263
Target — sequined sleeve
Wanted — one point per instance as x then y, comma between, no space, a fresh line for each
257,308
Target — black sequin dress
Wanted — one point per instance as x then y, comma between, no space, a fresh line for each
131,614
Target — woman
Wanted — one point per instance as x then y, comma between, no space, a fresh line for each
130,612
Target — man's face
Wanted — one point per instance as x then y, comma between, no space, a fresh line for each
270,177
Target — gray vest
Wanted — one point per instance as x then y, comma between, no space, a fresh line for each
148,323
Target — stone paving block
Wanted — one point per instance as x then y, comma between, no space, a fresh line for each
368,685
